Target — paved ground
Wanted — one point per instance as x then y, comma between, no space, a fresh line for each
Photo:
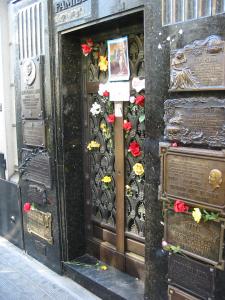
24,278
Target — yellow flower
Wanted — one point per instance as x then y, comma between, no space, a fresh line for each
93,144
104,268
138,169
103,63
103,127
106,179
197,215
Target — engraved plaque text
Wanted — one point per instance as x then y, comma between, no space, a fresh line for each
177,294
33,133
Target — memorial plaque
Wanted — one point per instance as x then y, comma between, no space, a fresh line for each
36,167
32,88
195,121
203,241
33,133
37,194
198,66
39,223
196,176
192,276
177,294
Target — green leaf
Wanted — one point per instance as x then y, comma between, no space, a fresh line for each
141,118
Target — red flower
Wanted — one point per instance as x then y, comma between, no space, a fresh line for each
140,100
111,118
27,207
134,148
86,49
105,94
180,206
127,125
90,43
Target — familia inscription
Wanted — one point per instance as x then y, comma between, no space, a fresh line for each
195,121
196,176
203,241
198,66
32,88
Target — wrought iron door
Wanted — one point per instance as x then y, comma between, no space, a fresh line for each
114,171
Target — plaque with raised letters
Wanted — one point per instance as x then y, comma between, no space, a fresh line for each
195,176
191,276
33,133
37,194
195,121
198,66
39,223
177,294
203,240
36,167
32,88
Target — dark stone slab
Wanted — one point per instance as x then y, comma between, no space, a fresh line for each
109,285
198,66
195,121
195,176
192,276
37,194
203,241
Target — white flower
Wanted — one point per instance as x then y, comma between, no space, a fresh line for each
159,46
95,109
180,31
132,99
164,244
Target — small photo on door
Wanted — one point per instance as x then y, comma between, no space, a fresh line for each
118,59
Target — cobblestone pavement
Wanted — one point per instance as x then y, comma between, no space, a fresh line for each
24,278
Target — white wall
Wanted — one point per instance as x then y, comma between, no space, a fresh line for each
7,117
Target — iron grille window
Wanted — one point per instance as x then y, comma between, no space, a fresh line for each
175,11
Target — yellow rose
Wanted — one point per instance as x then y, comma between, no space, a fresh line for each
93,144
104,268
197,215
138,169
106,179
103,63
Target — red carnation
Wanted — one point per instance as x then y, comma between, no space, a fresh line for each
111,118
90,43
86,49
140,100
27,207
180,206
127,126
134,148
106,94
174,145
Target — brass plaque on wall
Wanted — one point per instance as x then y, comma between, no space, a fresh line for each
33,133
196,176
36,167
31,71
198,66
195,121
203,241
191,275
39,223
177,294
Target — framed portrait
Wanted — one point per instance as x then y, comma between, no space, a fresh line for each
118,59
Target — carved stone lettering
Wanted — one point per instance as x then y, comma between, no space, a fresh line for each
33,133
66,4
195,121
203,241
176,294
32,88
195,176
191,275
199,66
36,168
39,223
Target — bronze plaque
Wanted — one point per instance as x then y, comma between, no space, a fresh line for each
195,121
39,223
33,133
191,275
37,194
32,88
203,241
177,294
36,167
196,176
198,66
